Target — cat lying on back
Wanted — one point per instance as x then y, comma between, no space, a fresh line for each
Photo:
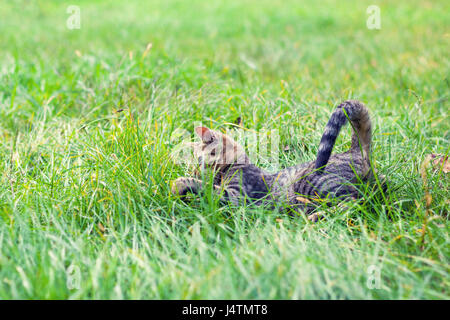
330,176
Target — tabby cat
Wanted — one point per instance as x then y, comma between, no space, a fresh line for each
330,176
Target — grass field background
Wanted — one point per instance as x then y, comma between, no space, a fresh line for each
85,204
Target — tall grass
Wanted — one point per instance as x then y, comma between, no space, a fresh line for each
87,125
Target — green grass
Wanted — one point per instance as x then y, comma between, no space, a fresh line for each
85,190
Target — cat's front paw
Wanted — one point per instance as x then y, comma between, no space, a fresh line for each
179,187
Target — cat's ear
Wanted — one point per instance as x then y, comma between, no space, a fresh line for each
205,134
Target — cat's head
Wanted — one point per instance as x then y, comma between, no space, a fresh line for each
217,150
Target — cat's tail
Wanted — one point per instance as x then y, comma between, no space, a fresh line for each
358,114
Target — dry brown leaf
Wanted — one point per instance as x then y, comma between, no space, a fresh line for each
147,49
428,199
440,161
314,217
101,227
303,200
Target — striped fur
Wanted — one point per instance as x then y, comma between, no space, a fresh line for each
299,187
358,114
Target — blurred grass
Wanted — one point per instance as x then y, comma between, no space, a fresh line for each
84,185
